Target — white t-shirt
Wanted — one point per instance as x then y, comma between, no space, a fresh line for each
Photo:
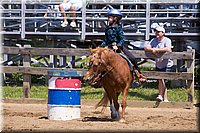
69,3
165,42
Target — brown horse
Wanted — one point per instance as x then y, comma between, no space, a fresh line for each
113,72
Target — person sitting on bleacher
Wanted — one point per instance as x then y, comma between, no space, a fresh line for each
72,6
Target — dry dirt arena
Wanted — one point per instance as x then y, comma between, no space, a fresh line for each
31,116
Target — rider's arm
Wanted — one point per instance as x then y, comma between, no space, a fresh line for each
105,41
121,37
103,44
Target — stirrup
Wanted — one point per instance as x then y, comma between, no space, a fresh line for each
141,78
137,74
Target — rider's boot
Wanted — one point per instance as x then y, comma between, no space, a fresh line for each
141,78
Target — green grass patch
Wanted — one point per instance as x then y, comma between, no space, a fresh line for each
17,92
12,92
143,94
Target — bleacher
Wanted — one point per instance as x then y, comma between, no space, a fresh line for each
41,19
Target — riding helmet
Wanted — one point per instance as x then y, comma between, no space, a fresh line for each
114,12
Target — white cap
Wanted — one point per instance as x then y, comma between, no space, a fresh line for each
159,28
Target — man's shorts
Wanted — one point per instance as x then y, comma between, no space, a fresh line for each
166,69
76,3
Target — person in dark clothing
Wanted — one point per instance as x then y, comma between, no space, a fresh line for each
114,39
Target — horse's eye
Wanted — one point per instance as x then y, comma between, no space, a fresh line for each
90,63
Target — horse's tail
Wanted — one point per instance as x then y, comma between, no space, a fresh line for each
103,102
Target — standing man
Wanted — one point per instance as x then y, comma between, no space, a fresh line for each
157,45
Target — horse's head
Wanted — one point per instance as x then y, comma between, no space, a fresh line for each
96,66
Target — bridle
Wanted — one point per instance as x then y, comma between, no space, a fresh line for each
96,77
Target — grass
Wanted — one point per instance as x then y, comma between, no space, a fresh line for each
87,92
17,92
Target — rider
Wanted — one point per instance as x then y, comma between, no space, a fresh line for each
114,39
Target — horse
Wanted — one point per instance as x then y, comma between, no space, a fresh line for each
112,71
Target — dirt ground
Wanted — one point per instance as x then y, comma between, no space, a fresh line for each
32,117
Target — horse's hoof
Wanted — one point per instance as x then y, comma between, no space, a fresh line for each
122,120
115,116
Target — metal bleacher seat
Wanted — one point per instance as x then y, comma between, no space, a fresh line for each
27,18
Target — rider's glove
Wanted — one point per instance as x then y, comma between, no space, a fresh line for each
115,47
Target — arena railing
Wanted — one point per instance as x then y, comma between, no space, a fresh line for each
27,52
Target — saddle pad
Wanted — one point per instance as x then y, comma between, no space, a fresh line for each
128,61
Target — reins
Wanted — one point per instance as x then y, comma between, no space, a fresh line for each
100,75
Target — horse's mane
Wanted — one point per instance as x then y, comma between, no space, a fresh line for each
100,50
107,54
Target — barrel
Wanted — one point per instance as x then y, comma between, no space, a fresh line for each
64,90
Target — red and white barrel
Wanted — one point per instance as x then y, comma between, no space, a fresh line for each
64,98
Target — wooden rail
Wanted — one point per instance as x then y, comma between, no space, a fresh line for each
27,70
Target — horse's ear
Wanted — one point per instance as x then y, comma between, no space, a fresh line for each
91,50
103,50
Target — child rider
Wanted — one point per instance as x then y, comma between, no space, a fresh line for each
114,39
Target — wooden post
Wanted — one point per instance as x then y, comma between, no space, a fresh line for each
63,60
26,77
53,58
190,83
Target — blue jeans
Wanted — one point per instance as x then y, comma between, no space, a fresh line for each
131,58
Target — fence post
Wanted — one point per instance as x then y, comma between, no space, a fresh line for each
83,20
190,83
26,77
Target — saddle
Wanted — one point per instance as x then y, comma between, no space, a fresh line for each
128,61
119,51
141,78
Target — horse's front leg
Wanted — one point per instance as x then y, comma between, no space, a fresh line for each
125,93
115,109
